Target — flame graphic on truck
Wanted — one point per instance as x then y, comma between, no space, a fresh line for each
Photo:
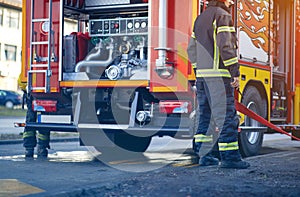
254,21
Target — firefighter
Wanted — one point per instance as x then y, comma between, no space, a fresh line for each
212,51
29,135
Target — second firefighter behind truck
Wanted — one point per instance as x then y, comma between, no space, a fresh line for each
29,135
213,50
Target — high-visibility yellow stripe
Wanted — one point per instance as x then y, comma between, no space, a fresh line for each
203,138
212,73
231,61
228,146
194,65
43,137
193,35
27,134
225,29
216,49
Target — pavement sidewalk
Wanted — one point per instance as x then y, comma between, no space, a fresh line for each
11,135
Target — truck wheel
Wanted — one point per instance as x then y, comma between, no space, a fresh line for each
251,141
132,143
9,104
128,147
128,142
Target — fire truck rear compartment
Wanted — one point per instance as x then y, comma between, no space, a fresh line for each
114,48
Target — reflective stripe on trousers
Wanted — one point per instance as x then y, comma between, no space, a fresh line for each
203,138
228,146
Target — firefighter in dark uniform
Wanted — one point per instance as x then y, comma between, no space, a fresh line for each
213,51
29,136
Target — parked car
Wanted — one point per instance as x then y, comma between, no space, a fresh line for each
9,98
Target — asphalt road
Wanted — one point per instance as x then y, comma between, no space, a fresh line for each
168,168
71,167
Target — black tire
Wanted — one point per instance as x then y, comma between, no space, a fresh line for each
132,143
129,143
250,142
128,147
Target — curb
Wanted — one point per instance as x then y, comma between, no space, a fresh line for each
57,139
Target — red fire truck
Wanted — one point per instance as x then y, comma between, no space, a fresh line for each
124,75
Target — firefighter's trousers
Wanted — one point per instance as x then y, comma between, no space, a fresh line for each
218,121
30,139
29,136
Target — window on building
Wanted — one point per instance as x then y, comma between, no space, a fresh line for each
10,52
13,19
1,16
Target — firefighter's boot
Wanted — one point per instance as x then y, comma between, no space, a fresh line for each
42,152
232,159
29,153
208,160
235,164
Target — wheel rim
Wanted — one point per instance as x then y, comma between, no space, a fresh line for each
9,104
251,135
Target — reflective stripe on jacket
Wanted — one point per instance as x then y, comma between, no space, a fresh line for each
212,46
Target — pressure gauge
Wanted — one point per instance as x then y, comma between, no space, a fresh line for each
129,25
144,24
137,25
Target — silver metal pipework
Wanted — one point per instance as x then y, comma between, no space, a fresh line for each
96,63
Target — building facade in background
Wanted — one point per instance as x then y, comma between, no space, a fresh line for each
10,43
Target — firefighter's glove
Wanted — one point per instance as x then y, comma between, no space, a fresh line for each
236,82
